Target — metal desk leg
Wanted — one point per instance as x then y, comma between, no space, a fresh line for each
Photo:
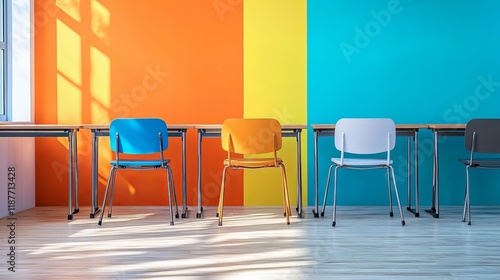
184,183
316,210
71,136
95,161
408,172
436,206
415,155
299,175
75,167
70,200
200,209
415,162
434,211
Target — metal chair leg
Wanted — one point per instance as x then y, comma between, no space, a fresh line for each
283,184
112,192
326,190
464,213
397,196
334,222
111,172
391,213
468,195
169,192
285,193
221,197
171,177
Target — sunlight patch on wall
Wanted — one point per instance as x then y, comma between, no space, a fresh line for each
69,53
69,75
131,190
100,86
100,21
69,107
70,7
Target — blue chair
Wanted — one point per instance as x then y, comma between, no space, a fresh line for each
133,137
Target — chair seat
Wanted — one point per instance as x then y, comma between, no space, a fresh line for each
486,162
140,163
252,162
360,161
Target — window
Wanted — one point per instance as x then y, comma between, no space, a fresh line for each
16,60
3,62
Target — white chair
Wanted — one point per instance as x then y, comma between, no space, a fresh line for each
368,136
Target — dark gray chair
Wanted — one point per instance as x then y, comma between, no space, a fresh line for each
481,136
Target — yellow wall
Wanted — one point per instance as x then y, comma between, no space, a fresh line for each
274,44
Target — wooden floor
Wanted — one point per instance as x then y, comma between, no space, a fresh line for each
253,243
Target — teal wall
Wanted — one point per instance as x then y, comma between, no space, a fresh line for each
420,61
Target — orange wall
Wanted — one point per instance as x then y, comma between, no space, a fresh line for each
95,60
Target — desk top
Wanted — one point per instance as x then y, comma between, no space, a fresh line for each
219,126
447,126
169,126
33,127
398,126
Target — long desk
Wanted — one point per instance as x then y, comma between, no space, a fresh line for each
406,130
52,130
214,131
100,130
440,130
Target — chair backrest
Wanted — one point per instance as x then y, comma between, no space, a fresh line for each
487,135
251,136
365,136
138,135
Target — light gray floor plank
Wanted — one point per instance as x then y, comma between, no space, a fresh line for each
253,243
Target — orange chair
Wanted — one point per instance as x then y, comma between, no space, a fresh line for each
250,137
